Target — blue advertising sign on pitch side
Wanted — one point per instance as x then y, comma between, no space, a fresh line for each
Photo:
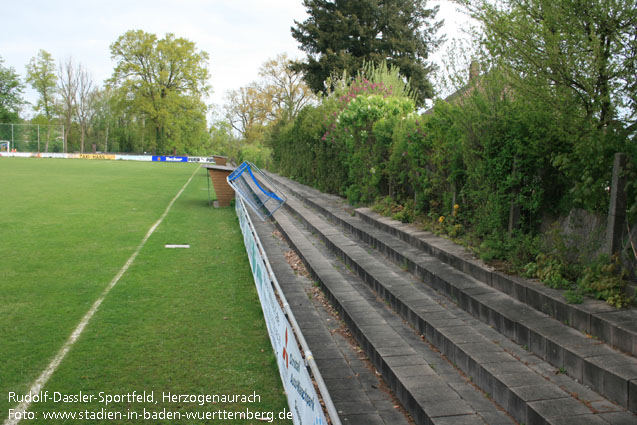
162,158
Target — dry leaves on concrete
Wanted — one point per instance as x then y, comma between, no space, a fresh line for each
295,262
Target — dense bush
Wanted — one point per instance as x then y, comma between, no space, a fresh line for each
257,154
487,151
364,130
490,164
300,152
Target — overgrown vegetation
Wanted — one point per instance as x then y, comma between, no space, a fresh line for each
530,139
485,169
601,279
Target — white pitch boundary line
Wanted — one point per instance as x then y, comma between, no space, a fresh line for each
39,383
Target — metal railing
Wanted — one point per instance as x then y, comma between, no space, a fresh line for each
309,358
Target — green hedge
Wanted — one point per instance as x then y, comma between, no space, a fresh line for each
484,152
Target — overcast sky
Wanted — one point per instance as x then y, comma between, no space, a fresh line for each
239,35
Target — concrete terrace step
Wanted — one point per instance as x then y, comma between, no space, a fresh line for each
617,328
610,373
355,389
514,378
427,385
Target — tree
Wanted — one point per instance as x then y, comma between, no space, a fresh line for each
11,89
104,118
341,35
578,59
68,77
286,88
585,50
85,102
279,95
126,127
223,141
247,109
41,76
165,81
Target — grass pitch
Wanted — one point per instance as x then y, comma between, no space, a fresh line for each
180,321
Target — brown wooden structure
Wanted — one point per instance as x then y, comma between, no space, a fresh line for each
218,174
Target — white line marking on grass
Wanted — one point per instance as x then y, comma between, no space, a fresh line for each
39,383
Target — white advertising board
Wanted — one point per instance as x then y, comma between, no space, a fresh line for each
302,397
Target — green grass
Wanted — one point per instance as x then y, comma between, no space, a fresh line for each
180,320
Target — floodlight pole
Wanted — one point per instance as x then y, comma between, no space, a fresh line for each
63,140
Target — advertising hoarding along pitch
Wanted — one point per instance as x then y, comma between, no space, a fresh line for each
110,156
302,397
162,158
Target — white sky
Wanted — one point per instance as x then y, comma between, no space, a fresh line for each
239,35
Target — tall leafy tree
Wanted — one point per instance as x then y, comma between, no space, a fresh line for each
166,81
248,109
578,59
11,90
223,140
584,49
340,35
104,117
42,77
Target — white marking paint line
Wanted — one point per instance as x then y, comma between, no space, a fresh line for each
39,383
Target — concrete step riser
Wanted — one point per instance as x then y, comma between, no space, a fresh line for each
374,403
555,306
482,377
596,321
404,395
456,262
615,385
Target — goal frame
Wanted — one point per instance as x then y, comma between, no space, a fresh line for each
14,133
